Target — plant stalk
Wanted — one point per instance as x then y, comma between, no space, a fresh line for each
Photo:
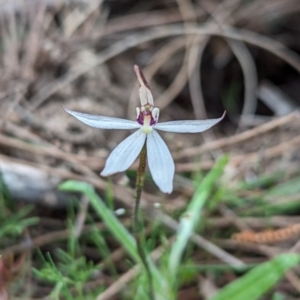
139,233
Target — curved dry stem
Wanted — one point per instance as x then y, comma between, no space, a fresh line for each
176,86
134,40
242,54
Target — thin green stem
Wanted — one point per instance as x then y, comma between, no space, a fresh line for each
139,234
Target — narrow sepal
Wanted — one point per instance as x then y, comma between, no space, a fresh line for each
188,126
102,121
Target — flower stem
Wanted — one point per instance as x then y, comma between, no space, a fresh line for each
139,234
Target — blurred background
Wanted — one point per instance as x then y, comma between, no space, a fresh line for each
200,57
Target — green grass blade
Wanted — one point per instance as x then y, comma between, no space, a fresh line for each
259,280
289,187
113,224
192,214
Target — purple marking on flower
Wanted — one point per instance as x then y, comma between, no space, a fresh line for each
142,116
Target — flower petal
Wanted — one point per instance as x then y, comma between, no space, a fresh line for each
103,122
190,126
160,162
124,154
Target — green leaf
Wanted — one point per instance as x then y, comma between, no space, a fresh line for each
113,224
289,187
259,280
262,182
191,216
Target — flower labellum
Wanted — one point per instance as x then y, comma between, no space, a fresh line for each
159,158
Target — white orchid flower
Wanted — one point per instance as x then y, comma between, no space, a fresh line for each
160,161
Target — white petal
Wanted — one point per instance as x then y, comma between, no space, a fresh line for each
124,154
160,162
190,126
103,122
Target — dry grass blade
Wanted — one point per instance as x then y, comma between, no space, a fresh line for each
241,137
33,41
245,159
168,31
79,15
